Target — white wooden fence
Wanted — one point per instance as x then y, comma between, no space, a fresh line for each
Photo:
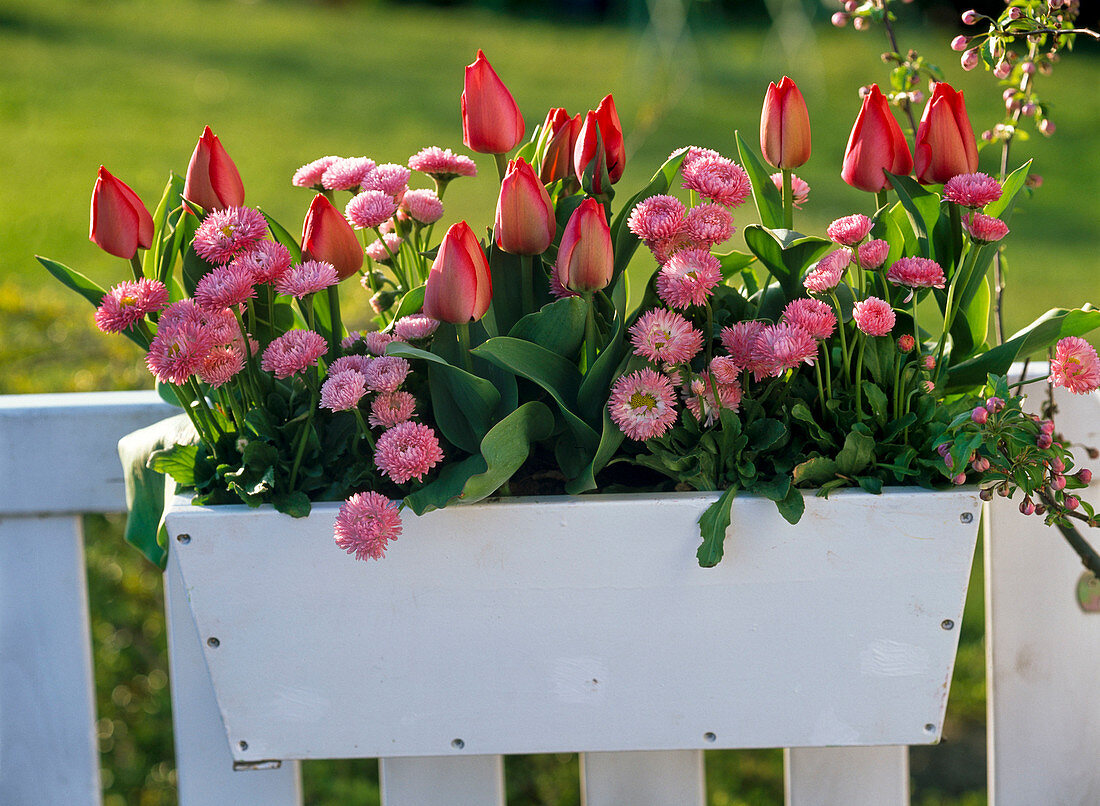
58,460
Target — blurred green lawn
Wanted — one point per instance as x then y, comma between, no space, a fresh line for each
130,84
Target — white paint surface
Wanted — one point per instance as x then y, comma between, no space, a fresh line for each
643,778
847,776
443,781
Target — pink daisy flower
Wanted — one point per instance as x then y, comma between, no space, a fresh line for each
688,278
695,153
442,164
415,327
873,254
365,525
709,224
984,229
800,190
220,365
347,173
665,248
423,206
370,208
657,218
177,313
390,178
812,315
376,342
177,352
665,337
906,343
224,234
387,373
266,262
874,316
781,347
307,278
849,230
972,190
309,175
391,408
359,363
718,179
1075,366
383,251
916,272
557,288
342,390
827,272
643,404
725,369
407,451
224,287
704,400
128,303
739,338
223,326
293,352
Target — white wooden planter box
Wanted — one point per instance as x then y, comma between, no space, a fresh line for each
582,624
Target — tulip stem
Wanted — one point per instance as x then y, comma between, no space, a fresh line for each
337,324
135,264
956,233
788,199
880,200
962,277
463,331
527,284
502,165
844,357
589,332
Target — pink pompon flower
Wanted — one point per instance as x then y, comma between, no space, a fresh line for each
874,316
414,327
376,342
347,173
800,189
849,230
128,303
657,218
391,408
709,224
267,262
688,278
224,234
705,400
370,208
694,153
812,315
177,351
972,190
781,347
557,287
643,404
906,342
224,287
407,451
725,369
827,273
309,175
665,337
739,338
442,164
387,373
1075,366
343,390
220,365
916,272
873,254
359,363
983,228
390,178
718,179
293,352
384,250
365,525
307,278
423,205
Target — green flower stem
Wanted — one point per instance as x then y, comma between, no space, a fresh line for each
371,279
250,386
962,277
880,200
859,378
365,428
230,406
844,356
955,218
335,322
306,430
135,265
590,332
1020,383
820,385
897,384
828,372
186,396
527,283
916,329
463,331
502,165
306,305
709,334
395,263
440,186
788,199
204,407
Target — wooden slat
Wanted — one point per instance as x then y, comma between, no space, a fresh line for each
643,778
847,776
443,781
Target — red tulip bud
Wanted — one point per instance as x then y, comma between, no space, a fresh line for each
875,145
327,236
785,126
213,181
491,122
589,159
611,132
559,133
120,222
585,256
525,223
459,286
945,145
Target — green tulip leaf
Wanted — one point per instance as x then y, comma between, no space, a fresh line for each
506,447
922,207
769,201
559,327
280,234
786,254
447,486
411,302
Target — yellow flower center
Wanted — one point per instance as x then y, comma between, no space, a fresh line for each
127,301
643,400
227,230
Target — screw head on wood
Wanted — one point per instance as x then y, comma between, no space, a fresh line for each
967,517
183,538
213,642
458,744
947,624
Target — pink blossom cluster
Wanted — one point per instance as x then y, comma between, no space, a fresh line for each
195,342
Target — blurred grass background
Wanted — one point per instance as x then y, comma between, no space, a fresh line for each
131,83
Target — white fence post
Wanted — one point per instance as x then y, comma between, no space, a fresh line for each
443,781
851,776
643,778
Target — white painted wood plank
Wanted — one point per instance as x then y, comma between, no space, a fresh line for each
48,748
641,778
58,453
204,765
846,776
443,781
1042,650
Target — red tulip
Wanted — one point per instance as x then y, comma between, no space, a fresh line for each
875,145
611,130
120,222
327,235
560,134
491,122
599,147
785,126
525,223
213,181
459,286
945,145
586,258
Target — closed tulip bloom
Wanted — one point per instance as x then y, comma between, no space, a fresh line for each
560,133
945,145
611,132
213,181
327,236
120,223
875,145
589,155
525,223
459,286
585,256
785,126
491,122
